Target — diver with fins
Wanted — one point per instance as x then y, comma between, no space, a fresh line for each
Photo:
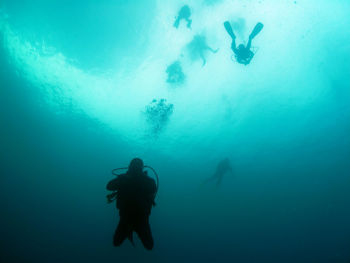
223,167
134,193
184,14
243,54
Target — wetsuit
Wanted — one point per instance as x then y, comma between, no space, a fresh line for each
135,198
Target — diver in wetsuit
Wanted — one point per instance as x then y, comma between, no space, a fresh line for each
198,47
222,168
243,53
134,193
184,13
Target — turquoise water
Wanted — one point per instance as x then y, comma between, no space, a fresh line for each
78,81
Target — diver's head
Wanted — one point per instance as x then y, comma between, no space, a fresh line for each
241,47
135,166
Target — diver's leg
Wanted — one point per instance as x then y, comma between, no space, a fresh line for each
143,230
258,27
218,183
249,43
203,58
229,30
212,178
122,232
233,46
208,180
177,22
189,23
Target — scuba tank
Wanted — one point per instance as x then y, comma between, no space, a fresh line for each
111,197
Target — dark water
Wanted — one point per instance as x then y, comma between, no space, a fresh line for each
73,92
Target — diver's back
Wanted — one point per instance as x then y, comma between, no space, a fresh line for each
136,194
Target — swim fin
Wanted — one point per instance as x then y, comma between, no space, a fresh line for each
229,29
258,27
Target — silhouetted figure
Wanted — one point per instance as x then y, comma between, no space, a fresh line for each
135,193
184,13
175,73
243,54
197,48
222,168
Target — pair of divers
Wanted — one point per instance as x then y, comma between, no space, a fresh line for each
134,193
243,54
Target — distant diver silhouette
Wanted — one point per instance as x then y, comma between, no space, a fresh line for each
197,48
222,168
184,13
175,73
134,193
243,54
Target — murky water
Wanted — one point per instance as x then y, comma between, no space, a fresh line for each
86,86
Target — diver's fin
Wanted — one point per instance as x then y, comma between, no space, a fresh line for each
229,29
258,27
131,238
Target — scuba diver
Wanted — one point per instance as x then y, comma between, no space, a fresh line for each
198,47
243,54
184,13
134,193
222,168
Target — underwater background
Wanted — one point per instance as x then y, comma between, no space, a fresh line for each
85,86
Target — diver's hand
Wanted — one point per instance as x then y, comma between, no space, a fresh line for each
111,197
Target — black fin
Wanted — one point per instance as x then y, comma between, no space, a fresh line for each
229,29
258,27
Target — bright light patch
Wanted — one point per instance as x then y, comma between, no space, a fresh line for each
221,101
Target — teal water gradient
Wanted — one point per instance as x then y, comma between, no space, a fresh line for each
76,79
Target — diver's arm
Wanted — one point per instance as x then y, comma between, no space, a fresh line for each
113,185
212,50
251,55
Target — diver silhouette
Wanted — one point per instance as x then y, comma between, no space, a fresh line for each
184,13
222,168
198,48
243,53
134,193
